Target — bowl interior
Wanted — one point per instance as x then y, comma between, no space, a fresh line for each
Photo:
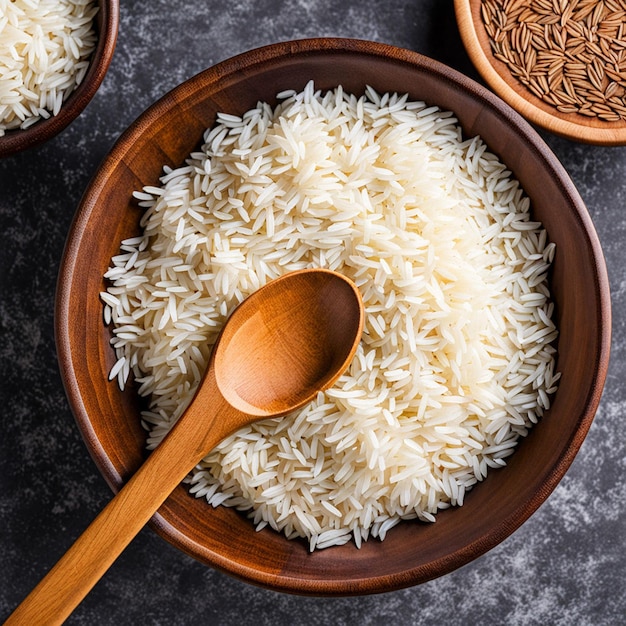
106,27
413,552
498,76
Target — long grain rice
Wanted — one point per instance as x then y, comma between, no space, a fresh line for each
45,47
457,359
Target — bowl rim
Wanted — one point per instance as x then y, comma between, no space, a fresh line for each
17,140
568,125
63,315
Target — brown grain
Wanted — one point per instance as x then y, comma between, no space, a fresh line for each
569,53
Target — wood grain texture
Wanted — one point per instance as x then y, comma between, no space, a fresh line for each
497,75
412,552
288,341
107,22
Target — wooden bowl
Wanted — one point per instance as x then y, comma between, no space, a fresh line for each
109,420
107,20
497,75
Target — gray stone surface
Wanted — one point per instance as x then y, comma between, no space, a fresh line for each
566,565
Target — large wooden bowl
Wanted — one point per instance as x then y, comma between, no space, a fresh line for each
109,420
496,74
107,22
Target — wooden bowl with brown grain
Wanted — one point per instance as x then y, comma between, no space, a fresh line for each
106,27
559,64
109,420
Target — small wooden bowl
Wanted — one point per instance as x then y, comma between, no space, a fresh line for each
497,75
109,420
107,21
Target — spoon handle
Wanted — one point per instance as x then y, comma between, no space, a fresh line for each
208,420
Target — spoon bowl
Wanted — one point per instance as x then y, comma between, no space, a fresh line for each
298,364
287,342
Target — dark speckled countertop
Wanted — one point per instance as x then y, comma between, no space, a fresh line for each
565,566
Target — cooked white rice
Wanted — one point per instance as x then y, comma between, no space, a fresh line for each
456,361
45,47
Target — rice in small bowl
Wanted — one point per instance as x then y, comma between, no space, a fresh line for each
280,168
53,58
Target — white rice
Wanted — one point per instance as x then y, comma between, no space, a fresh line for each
45,47
456,362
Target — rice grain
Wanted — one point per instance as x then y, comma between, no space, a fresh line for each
566,53
44,55
456,361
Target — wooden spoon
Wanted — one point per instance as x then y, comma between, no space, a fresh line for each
279,348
